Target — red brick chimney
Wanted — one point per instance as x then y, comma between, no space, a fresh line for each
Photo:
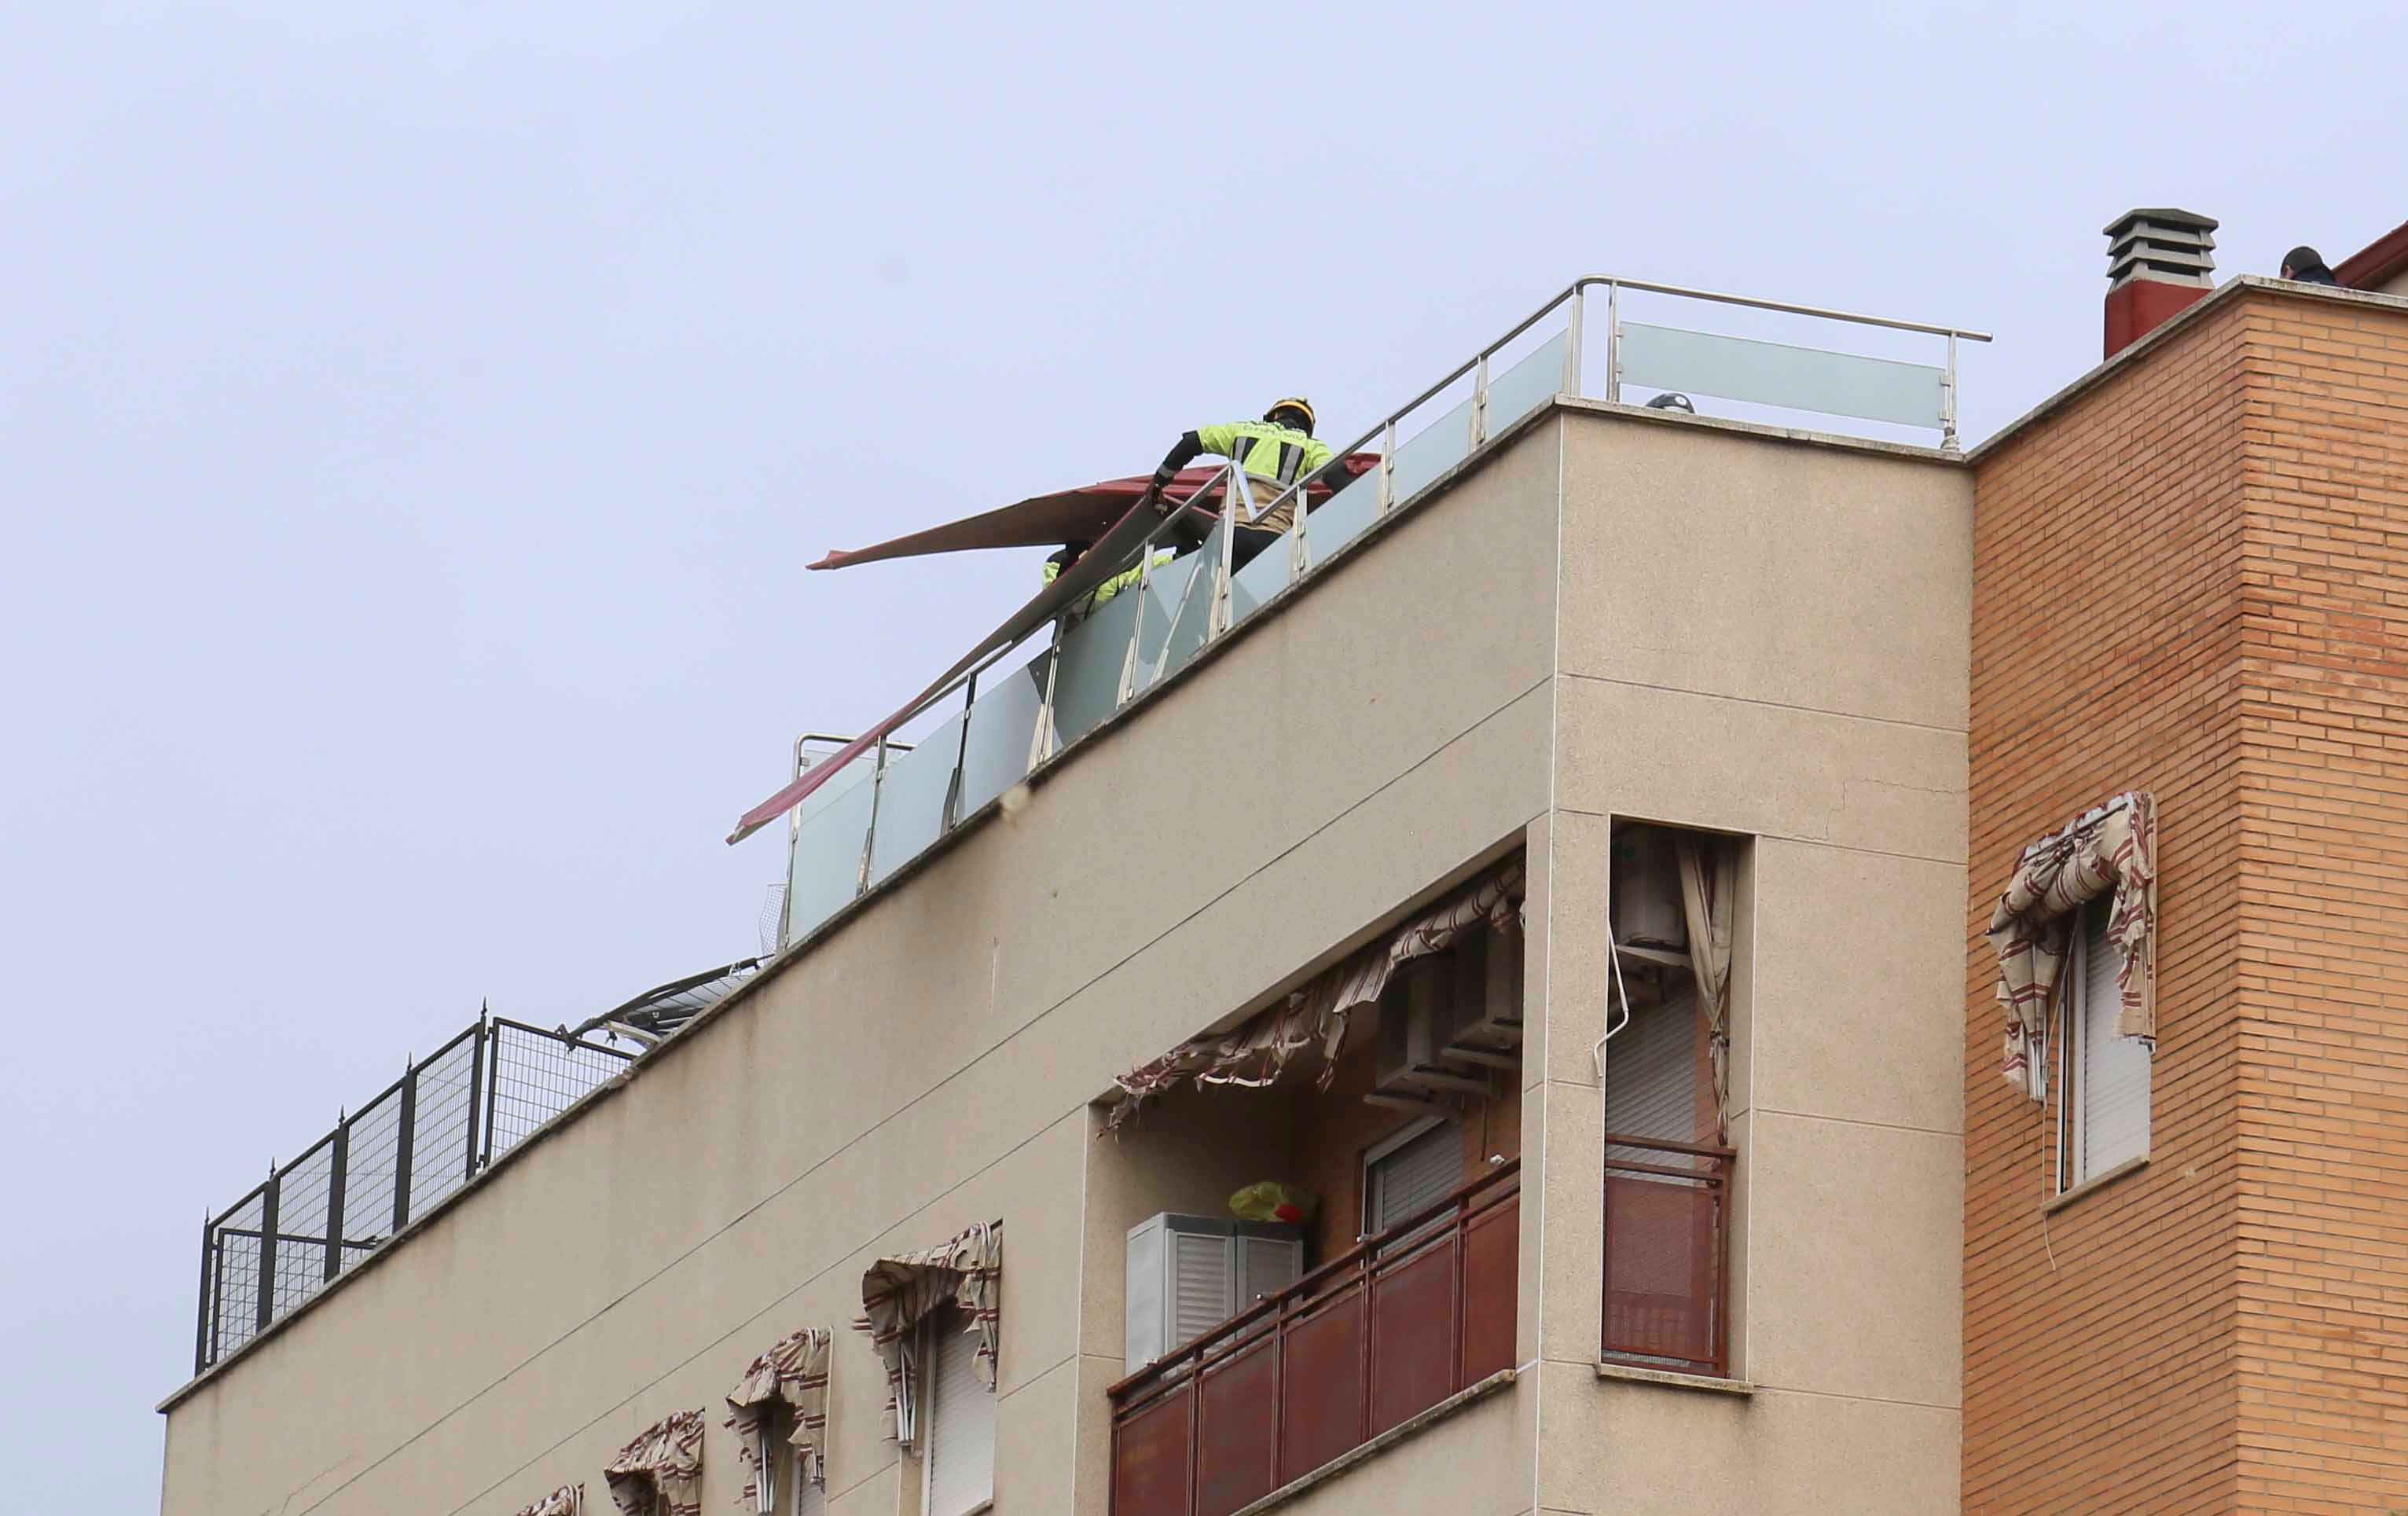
2157,263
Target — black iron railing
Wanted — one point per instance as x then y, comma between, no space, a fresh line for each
428,1134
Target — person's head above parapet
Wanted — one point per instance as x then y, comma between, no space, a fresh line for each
1295,412
2306,263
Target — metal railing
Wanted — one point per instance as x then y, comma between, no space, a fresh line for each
1667,1255
1375,1336
849,836
424,1137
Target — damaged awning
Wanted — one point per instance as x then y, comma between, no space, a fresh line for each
1115,547
2109,850
1259,1050
795,1371
1081,515
900,1292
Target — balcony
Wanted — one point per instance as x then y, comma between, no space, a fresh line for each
1355,1347
1667,1250
1006,711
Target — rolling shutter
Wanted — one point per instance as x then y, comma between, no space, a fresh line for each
1413,1177
1651,1073
2112,1077
961,1432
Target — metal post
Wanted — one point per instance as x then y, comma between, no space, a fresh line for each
268,1249
1041,742
201,1326
1389,469
1480,402
217,1296
1572,343
1219,620
961,759
340,1160
1948,397
493,1091
405,1139
476,1086
870,837
1126,690
1613,341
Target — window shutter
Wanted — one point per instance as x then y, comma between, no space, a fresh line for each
1651,1073
1414,1177
2111,1082
961,1432
1201,1285
1265,1266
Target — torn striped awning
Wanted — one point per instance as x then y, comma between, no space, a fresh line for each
660,1472
795,1371
899,1293
2110,850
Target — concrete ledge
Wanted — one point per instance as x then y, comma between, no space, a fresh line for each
1409,1426
1632,1374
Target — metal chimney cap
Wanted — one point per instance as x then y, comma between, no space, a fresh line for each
2164,216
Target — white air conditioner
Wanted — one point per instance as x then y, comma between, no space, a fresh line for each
1188,1274
1646,889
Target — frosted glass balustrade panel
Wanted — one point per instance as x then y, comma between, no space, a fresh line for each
1341,517
1433,451
1772,374
827,868
1181,603
1268,575
1001,726
1087,689
1522,389
911,801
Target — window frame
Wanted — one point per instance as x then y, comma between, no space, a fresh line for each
2074,1010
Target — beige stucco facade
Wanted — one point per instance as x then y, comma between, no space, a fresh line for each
1606,614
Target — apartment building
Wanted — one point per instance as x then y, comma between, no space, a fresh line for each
1560,873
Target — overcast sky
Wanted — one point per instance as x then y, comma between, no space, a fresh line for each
416,418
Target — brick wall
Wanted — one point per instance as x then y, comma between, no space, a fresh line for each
2323,949
2101,1368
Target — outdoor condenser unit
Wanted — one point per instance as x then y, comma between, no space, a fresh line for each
1646,884
1188,1274
1481,1019
1411,1066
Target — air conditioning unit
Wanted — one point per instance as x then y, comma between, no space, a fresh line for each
1412,1067
1484,1014
1646,888
1188,1274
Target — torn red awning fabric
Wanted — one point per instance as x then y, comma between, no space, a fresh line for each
1081,515
1118,545
1256,1052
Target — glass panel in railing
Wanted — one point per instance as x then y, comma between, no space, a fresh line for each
1527,386
1433,451
1772,374
1268,575
1002,724
1087,689
1191,601
911,802
1341,517
826,867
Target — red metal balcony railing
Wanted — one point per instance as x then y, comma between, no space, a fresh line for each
1375,1336
1667,1245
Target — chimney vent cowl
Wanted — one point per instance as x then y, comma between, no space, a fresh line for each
2159,261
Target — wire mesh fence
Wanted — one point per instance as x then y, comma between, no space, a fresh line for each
420,1140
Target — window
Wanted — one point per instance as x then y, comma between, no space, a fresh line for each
779,1487
957,1454
1410,1172
2102,1112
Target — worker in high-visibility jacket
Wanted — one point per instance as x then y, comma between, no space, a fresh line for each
1070,552
1275,452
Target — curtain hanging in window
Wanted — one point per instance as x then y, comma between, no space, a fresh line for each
900,1292
1709,894
2111,849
